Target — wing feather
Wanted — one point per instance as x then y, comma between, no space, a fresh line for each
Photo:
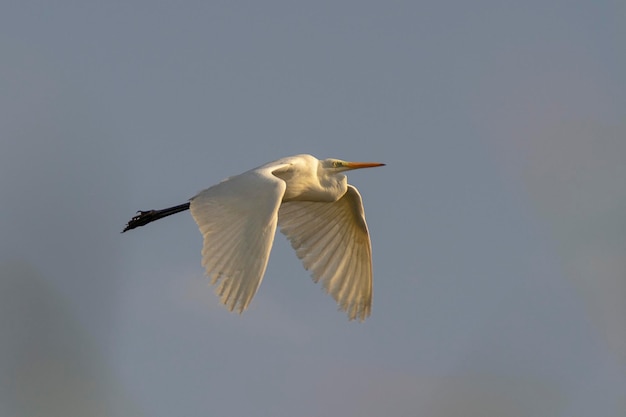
332,240
237,219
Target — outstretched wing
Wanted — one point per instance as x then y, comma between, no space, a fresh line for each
333,242
237,219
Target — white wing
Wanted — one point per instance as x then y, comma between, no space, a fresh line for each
333,242
237,219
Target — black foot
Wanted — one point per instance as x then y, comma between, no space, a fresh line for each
141,219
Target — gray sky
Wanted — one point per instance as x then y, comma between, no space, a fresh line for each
497,225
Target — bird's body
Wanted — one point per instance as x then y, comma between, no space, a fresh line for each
319,212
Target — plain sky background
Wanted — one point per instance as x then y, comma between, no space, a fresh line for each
498,224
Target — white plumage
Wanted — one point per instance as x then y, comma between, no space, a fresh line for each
312,203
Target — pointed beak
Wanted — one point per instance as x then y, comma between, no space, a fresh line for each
358,165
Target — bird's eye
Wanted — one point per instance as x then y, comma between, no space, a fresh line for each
336,164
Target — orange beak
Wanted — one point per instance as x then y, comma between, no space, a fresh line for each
358,165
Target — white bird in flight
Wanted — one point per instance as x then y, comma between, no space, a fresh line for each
319,212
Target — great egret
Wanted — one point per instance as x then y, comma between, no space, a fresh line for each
315,207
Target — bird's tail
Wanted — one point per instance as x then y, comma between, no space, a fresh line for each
145,217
